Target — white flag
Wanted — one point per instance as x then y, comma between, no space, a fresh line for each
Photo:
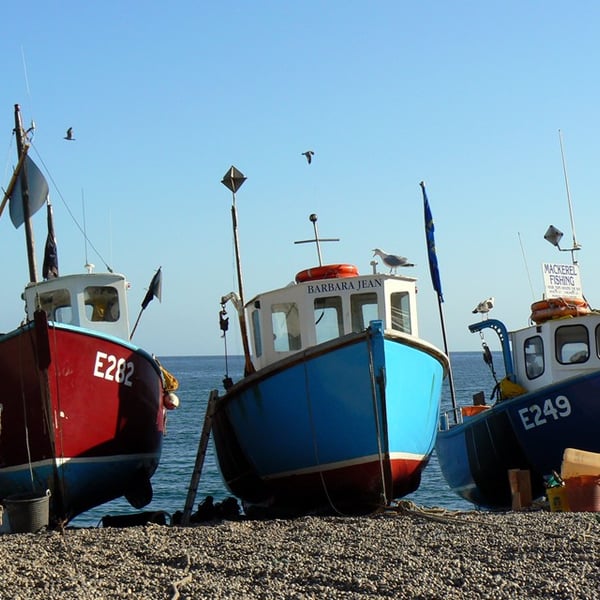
38,193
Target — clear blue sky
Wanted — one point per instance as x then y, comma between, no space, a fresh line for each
164,97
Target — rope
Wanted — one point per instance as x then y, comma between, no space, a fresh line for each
24,402
59,488
315,444
81,229
224,325
382,506
443,515
377,422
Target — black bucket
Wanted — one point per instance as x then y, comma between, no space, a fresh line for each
27,512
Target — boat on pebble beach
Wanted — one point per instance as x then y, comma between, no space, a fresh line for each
337,410
83,409
547,402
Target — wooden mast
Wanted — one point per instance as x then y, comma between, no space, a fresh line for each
25,198
233,180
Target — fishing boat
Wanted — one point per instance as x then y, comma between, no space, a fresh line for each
547,401
338,406
83,409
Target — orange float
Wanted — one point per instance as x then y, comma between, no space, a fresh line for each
558,308
327,272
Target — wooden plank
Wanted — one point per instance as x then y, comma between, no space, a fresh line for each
520,488
200,456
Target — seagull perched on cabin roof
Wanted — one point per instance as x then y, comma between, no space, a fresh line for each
484,306
69,135
392,260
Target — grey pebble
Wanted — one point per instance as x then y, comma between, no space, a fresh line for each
406,553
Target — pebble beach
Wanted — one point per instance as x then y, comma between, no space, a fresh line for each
407,552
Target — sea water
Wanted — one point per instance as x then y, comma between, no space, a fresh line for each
198,375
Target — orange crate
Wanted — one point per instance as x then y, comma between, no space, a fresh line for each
470,411
583,493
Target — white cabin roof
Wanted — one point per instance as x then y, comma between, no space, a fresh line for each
555,350
91,300
302,315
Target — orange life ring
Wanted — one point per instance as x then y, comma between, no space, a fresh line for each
327,272
557,308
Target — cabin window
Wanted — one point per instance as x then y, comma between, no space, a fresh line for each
256,332
533,349
400,305
572,344
101,303
329,323
364,310
598,341
57,305
286,327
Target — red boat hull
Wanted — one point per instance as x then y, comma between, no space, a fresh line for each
82,415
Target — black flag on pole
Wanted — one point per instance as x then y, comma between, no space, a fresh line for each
50,267
155,289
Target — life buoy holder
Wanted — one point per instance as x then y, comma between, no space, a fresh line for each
558,308
327,272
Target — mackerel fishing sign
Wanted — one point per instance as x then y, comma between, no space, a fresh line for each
562,281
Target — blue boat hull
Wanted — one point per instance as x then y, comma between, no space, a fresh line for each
346,426
527,432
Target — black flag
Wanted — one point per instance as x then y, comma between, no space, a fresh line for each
155,289
50,267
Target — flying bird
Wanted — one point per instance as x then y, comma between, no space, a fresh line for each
392,260
309,154
69,135
484,306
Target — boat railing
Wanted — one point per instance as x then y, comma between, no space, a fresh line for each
450,417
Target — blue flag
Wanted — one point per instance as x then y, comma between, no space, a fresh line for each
433,263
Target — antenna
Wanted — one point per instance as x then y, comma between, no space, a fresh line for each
562,154
526,265
554,235
31,131
88,266
317,240
25,70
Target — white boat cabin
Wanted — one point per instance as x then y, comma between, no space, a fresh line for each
312,311
94,301
555,350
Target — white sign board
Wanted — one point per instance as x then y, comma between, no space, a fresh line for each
562,281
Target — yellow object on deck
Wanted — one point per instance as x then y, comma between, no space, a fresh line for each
557,498
510,389
170,383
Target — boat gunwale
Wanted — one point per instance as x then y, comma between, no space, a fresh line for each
320,349
507,403
94,333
